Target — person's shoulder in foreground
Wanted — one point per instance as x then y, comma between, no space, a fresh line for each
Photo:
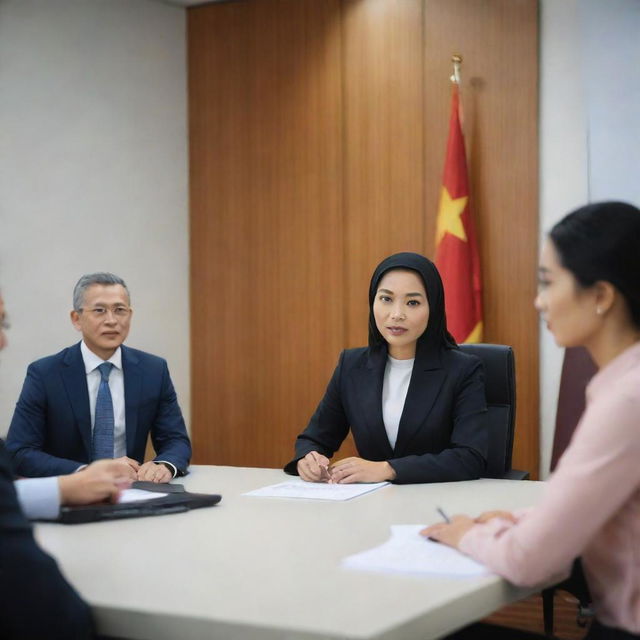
35,599
589,296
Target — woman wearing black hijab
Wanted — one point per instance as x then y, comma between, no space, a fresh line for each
414,402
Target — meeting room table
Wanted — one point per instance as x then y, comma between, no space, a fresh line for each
255,567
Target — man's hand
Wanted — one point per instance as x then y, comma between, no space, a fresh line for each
355,469
449,533
128,466
101,481
153,472
314,467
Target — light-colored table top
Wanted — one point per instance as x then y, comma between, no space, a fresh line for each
270,568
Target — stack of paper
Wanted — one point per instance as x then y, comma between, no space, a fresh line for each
409,552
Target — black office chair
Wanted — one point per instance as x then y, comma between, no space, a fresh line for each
577,586
500,388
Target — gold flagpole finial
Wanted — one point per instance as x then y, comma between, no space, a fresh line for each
456,59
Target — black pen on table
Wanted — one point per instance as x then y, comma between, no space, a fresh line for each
445,517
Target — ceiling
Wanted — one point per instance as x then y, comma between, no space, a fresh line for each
188,3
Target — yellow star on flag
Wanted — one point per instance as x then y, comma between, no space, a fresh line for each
449,213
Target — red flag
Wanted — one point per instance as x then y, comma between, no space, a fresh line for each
456,246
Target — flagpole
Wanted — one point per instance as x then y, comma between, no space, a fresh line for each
456,59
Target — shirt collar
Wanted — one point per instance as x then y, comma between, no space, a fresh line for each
92,361
627,360
407,363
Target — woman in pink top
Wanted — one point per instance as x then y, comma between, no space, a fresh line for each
589,295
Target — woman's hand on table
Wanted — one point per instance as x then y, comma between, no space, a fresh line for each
490,515
449,533
354,469
314,467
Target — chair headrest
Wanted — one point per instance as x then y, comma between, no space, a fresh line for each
499,371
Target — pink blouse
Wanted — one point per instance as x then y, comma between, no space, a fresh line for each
590,506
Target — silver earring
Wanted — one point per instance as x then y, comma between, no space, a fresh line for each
599,311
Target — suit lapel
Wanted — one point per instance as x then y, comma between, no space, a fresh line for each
132,388
426,380
368,381
74,379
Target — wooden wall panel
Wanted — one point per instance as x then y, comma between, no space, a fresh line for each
317,133
384,151
498,42
266,223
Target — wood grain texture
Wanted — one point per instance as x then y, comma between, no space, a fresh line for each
317,140
527,615
384,152
266,223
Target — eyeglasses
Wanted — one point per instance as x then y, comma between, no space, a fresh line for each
101,312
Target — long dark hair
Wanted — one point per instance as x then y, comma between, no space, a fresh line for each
435,336
601,241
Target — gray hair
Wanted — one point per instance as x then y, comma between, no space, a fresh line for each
88,280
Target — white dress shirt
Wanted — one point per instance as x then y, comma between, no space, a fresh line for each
397,375
116,387
39,498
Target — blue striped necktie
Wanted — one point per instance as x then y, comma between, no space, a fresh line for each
103,425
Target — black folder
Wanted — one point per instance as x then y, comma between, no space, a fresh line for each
175,502
159,487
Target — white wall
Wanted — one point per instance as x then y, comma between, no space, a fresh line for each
589,131
563,168
611,55
93,174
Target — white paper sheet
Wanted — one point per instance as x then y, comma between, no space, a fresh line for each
408,552
137,495
297,488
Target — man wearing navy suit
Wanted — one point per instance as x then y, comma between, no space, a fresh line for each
99,399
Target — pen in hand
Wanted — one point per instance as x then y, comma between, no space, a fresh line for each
445,517
325,474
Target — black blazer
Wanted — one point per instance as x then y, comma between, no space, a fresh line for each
35,600
442,434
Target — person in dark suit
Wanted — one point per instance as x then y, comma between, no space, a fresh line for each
99,399
413,401
35,599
